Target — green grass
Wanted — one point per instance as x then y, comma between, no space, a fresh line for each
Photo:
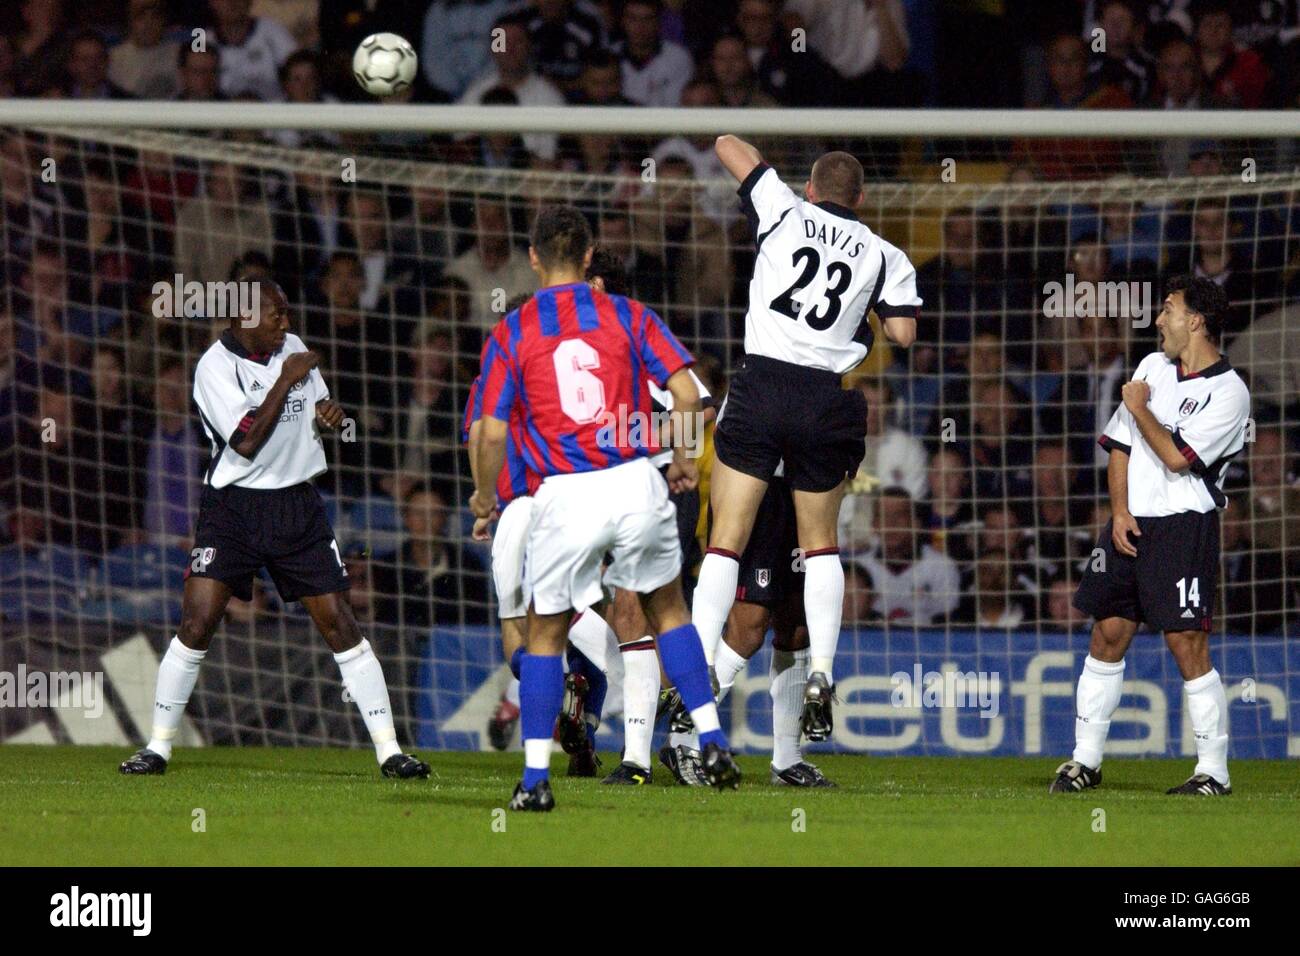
69,806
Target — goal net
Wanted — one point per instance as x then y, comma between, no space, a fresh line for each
1042,264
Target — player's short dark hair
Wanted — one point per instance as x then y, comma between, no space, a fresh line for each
561,236
1206,298
838,176
608,265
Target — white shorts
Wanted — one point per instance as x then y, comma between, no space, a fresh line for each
622,511
509,544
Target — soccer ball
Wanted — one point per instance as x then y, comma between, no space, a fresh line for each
384,64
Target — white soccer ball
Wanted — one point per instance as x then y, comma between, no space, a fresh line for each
384,64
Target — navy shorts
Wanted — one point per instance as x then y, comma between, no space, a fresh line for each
285,530
1170,585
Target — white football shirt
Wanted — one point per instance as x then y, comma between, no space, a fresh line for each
229,385
818,272
1206,412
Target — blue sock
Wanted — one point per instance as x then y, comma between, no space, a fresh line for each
515,658
541,695
683,659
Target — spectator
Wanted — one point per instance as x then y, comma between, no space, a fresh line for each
40,45
214,229
110,455
512,69
1178,87
601,81
200,75
308,230
387,276
428,583
914,584
498,150
948,507
562,34
1059,611
990,604
893,458
734,74
1055,506
253,49
1123,63
1274,496
429,408
8,72
1000,446
1080,408
791,78
173,460
864,41
1254,594
87,70
452,52
365,352
104,263
655,70
491,264
858,599
38,478
718,204
1234,78
1216,256
959,296
145,64
300,82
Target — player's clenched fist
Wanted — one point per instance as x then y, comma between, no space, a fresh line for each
682,475
1122,526
297,365
329,414
1137,394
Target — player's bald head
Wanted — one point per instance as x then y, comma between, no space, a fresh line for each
837,176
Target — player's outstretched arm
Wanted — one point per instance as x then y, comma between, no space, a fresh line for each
739,157
296,367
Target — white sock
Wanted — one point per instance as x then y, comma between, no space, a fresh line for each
726,665
823,599
1207,706
715,592
590,635
177,675
512,690
640,695
537,753
789,675
364,679
1099,690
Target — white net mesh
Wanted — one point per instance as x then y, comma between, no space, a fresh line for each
397,266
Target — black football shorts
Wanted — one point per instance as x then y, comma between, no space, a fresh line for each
1169,586
776,411
285,530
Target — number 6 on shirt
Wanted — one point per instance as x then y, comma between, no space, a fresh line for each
582,394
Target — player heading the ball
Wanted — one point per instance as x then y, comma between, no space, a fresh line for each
570,357
817,274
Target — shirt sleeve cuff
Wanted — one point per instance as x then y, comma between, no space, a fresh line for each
747,185
1110,444
1194,462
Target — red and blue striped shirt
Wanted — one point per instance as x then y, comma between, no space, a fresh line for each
515,480
575,362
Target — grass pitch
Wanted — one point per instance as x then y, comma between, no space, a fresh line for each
69,806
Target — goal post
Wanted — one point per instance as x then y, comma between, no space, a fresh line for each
1042,239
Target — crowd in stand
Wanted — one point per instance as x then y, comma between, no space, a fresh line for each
981,492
